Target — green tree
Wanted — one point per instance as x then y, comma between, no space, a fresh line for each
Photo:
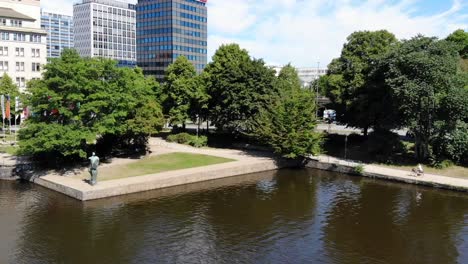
287,125
460,38
7,86
238,87
84,101
353,90
421,72
288,78
178,90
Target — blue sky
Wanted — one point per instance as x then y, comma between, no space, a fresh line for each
305,32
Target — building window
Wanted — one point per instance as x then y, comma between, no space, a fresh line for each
35,53
3,51
20,82
4,66
36,67
19,66
5,36
19,52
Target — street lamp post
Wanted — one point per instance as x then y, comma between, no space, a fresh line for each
317,90
198,124
346,147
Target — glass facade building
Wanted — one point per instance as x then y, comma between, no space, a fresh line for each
106,28
59,32
167,29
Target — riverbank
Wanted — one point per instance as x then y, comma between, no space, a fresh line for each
244,163
385,173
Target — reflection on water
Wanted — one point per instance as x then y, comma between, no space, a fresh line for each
288,216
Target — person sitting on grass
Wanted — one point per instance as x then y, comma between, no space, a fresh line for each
418,170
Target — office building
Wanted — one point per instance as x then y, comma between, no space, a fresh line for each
22,41
306,74
59,32
106,28
167,29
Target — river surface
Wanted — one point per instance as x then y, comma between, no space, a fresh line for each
287,216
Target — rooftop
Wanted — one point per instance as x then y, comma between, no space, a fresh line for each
10,13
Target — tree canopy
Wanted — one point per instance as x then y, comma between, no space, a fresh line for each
422,74
81,101
238,87
178,90
7,86
350,83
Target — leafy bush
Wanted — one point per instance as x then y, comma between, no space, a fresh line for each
187,139
452,144
198,142
359,169
384,145
182,138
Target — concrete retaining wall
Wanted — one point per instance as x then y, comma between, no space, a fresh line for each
84,192
376,172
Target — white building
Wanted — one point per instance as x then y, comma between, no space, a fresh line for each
22,41
106,28
306,74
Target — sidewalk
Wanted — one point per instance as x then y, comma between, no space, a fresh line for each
379,172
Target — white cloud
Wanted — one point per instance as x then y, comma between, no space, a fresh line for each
304,32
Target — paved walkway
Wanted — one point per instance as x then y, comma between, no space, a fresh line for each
373,171
246,162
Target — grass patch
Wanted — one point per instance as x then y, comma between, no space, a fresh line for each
156,164
452,171
12,150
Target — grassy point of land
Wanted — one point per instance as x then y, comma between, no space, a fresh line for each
157,164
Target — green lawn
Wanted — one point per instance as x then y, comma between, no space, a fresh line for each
156,164
8,149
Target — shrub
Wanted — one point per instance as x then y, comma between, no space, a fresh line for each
198,142
384,145
359,169
182,138
187,139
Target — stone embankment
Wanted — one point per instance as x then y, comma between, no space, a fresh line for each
12,167
379,172
246,162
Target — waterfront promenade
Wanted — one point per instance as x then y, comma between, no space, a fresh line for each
245,163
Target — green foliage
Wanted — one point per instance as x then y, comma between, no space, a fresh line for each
288,78
421,72
81,101
288,124
198,142
187,139
181,138
238,87
460,38
359,169
384,145
359,97
452,144
7,86
179,90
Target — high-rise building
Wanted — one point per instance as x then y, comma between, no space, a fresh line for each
106,28
22,41
167,29
59,32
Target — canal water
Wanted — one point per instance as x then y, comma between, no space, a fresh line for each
287,216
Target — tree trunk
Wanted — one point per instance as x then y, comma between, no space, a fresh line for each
421,148
366,131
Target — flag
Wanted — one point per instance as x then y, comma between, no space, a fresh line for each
3,106
17,107
7,111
